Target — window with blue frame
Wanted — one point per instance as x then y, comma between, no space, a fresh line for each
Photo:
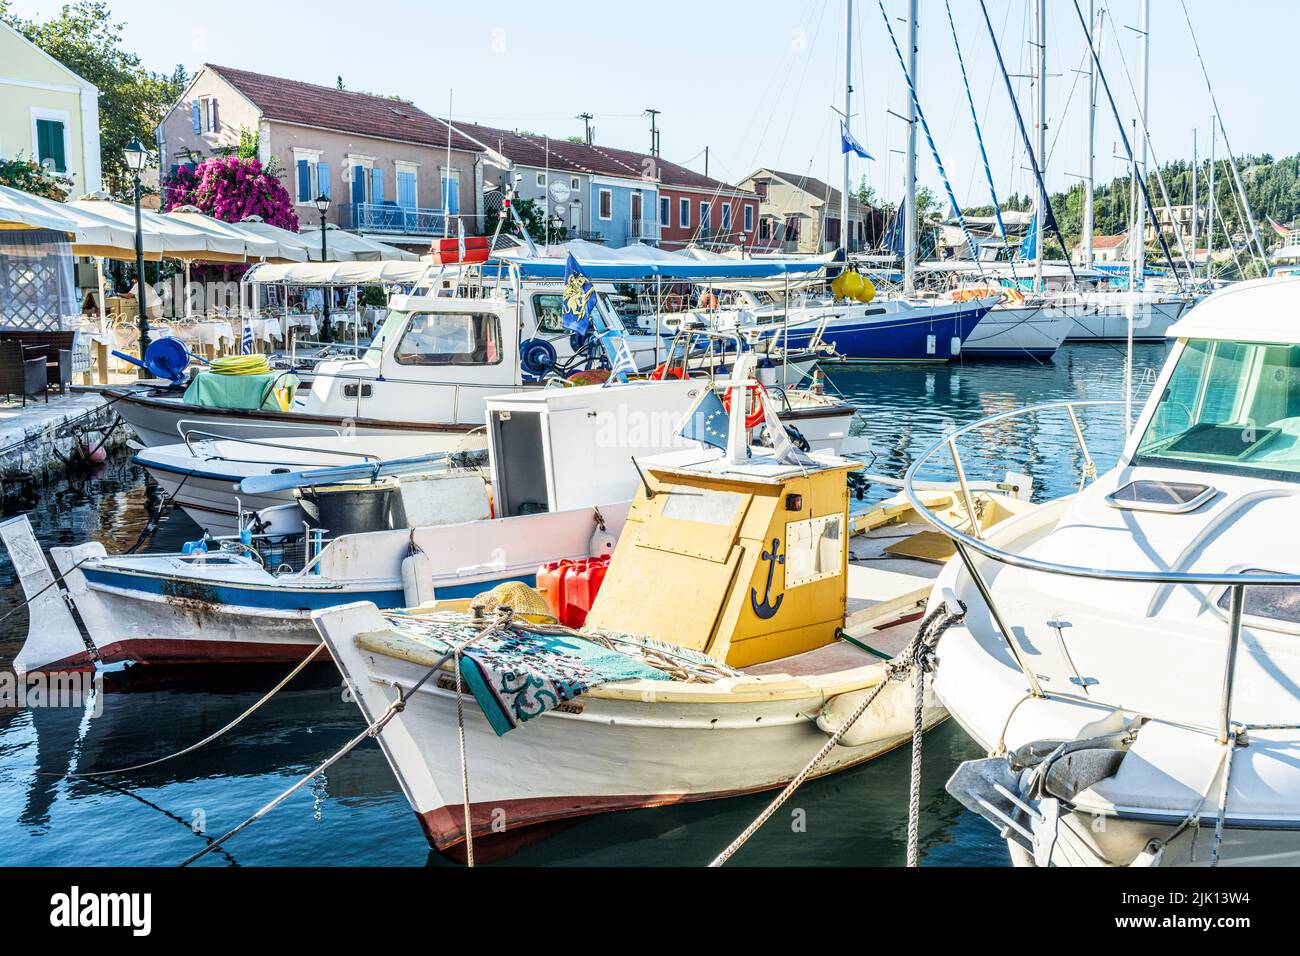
726,219
663,211
684,213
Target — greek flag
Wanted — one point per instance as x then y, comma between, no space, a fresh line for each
620,356
849,143
246,341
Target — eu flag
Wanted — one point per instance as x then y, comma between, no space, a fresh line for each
579,298
708,421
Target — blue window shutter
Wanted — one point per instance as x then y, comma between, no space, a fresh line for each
377,186
304,181
194,114
406,190
323,174
358,184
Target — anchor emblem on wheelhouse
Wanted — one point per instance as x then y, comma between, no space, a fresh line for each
767,608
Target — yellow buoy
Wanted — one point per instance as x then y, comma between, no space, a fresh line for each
868,291
852,285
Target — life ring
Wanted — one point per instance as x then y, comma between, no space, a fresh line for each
754,418
664,371
673,303
708,301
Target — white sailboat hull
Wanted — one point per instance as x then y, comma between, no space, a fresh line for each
1026,331
1104,317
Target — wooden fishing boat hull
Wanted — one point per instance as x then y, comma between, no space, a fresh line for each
619,747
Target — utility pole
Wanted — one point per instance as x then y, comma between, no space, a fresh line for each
909,202
654,131
586,126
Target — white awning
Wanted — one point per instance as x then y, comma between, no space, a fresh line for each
20,210
341,246
337,273
250,244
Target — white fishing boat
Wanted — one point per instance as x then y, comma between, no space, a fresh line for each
561,469
732,633
1126,657
455,339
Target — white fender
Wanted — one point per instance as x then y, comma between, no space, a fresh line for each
53,638
888,717
417,579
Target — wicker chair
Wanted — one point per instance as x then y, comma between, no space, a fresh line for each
54,347
22,371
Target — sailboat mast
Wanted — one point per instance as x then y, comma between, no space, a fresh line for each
848,98
909,202
1196,225
1209,207
1094,17
1040,132
1136,280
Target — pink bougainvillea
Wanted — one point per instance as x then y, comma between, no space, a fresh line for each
231,188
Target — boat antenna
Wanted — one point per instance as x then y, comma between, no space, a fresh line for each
649,492
1048,218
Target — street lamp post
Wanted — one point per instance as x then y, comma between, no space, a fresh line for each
323,206
136,156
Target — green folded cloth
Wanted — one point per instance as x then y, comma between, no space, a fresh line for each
242,391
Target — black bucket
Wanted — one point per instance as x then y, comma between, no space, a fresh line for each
347,509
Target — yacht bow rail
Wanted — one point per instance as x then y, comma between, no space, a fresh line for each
968,545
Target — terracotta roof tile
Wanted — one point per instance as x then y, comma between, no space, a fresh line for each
323,107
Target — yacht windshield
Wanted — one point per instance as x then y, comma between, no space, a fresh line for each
1229,407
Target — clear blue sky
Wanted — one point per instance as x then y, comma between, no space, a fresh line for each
755,80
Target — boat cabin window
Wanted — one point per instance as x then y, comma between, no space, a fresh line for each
703,504
814,549
386,333
450,338
549,308
1280,603
1231,407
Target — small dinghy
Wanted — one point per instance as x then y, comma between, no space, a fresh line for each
1128,656
743,617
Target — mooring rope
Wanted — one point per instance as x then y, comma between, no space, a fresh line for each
213,736
917,659
501,620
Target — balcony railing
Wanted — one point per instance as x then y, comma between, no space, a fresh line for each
641,229
404,220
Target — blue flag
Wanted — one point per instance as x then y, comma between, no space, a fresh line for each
849,143
1029,246
708,421
896,235
579,298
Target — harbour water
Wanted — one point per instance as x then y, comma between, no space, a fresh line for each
356,815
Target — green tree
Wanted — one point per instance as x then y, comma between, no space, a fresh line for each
85,38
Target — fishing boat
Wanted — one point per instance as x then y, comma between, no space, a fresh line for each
561,470
1126,656
743,617
459,335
